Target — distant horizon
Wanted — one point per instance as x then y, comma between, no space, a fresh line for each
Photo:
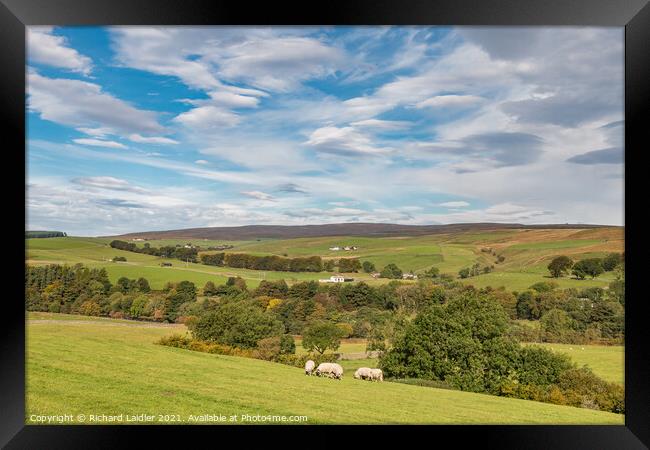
135,127
496,224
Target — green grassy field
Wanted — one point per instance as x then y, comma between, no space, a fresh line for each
95,367
526,253
607,361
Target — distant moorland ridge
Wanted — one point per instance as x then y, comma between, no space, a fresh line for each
337,229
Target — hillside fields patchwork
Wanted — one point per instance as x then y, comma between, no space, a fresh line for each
525,255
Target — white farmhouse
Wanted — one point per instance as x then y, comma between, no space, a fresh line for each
334,279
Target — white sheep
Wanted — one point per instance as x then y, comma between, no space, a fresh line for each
337,371
332,370
309,367
324,369
363,373
376,375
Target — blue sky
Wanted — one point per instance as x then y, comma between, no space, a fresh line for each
133,129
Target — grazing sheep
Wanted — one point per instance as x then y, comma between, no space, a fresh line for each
309,367
376,375
324,369
331,370
363,373
337,371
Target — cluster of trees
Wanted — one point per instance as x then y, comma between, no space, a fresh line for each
349,265
572,315
464,343
591,267
391,271
81,290
271,262
474,270
167,251
44,234
66,289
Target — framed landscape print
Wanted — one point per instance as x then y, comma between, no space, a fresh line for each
377,215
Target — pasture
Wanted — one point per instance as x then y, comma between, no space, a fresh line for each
607,361
526,253
101,366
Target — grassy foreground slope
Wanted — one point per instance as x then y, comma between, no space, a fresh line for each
109,367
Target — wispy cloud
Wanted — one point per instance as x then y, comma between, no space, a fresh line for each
152,140
458,204
604,156
98,143
45,47
78,103
259,195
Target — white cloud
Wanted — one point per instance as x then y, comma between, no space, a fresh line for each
148,160
82,104
207,118
201,161
46,48
151,140
228,99
450,101
257,151
258,195
499,213
110,183
275,59
387,125
459,204
96,132
164,51
345,141
278,64
466,69
98,143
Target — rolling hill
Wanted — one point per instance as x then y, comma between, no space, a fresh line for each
337,229
526,253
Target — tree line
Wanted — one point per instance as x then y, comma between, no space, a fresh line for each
562,315
270,262
167,251
592,267
44,234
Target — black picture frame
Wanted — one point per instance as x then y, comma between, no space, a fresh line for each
634,15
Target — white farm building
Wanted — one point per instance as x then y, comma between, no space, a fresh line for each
335,279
